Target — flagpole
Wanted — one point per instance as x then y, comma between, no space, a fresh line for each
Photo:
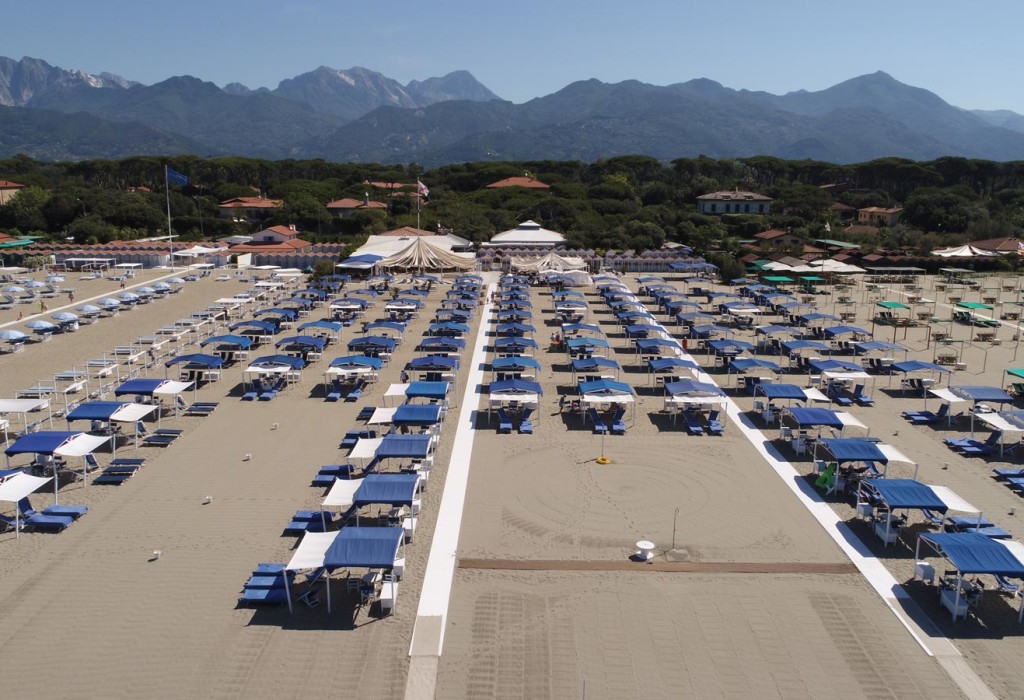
170,238
419,198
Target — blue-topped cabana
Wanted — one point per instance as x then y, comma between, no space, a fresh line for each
585,347
448,328
655,346
255,328
602,391
385,327
513,365
514,329
431,391
576,328
376,548
514,345
373,345
197,367
351,367
418,415
443,344
433,363
669,367
48,445
593,365
398,446
778,392
971,553
889,495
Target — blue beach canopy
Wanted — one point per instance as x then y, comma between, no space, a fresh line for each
972,553
386,489
811,417
605,387
665,364
197,359
95,410
917,366
854,450
515,364
417,414
277,361
364,548
241,341
45,442
427,390
509,387
982,393
906,493
781,392
409,446
433,363
691,387
590,364
441,343
352,361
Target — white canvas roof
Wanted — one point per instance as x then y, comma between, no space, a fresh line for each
551,261
342,493
382,416
311,550
952,500
16,487
695,399
527,233
997,422
946,395
366,448
893,455
129,413
498,399
171,388
423,254
81,445
963,251
385,246
847,419
22,405
813,394
846,375
347,371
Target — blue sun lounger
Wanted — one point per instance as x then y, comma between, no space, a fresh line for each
366,413
353,436
599,425
693,425
618,427
201,408
714,425
263,596
356,393
504,422
525,424
335,393
272,393
73,512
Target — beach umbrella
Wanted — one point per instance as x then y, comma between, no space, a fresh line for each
161,286
109,303
176,280
10,335
35,284
146,291
65,317
88,309
14,289
54,279
40,326
128,296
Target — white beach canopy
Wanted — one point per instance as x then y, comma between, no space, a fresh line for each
550,261
17,487
421,254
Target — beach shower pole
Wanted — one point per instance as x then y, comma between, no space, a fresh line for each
675,516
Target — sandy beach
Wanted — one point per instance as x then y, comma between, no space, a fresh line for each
763,602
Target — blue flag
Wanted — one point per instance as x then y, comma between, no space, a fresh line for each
174,177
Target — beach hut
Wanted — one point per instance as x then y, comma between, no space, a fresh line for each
49,445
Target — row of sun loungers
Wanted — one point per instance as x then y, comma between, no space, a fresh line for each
119,471
969,447
351,392
505,423
51,519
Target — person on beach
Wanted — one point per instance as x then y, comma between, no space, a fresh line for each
71,296
42,307
122,284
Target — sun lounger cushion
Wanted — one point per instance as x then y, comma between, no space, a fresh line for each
263,596
74,512
111,479
39,521
128,462
250,396
159,440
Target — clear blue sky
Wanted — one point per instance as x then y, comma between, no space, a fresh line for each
967,53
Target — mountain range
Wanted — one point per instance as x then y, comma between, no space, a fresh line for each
360,115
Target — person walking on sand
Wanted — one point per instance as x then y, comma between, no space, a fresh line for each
71,296
122,284
42,306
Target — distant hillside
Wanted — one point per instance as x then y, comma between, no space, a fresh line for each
360,115
48,135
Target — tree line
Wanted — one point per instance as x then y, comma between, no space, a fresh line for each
616,203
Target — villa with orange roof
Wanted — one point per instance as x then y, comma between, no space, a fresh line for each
8,189
347,206
248,208
521,181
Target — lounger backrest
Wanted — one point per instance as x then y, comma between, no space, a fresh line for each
994,438
858,390
943,410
